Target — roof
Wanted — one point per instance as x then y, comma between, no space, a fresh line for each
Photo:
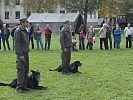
52,17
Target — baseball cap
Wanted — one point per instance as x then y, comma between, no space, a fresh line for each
23,20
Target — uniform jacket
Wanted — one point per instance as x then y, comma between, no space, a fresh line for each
65,38
21,41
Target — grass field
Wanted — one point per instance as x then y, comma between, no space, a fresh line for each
106,74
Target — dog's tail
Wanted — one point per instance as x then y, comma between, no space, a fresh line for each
52,69
4,84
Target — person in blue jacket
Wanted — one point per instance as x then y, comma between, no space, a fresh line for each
117,36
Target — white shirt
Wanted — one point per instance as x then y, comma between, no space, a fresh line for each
102,32
128,31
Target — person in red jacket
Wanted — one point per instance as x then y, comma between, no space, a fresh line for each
82,34
90,42
48,33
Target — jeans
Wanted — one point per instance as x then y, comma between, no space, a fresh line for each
47,41
39,40
81,44
90,44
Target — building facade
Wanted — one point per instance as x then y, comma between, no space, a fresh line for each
11,13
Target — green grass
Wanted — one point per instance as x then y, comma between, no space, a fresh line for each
106,75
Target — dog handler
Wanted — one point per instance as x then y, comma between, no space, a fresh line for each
66,42
21,50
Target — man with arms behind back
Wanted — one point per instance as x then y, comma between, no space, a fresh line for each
21,50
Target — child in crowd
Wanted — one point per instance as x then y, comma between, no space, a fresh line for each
91,31
74,41
90,42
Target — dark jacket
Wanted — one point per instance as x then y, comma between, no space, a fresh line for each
5,33
31,31
48,33
21,41
108,32
13,31
65,38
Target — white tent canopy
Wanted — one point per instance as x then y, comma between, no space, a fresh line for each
52,17
55,20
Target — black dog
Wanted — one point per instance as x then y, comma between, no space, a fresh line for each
32,81
73,67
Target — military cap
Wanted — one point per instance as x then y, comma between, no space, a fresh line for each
23,20
67,22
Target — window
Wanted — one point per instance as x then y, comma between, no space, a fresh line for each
94,15
17,2
7,15
6,2
62,11
17,14
90,16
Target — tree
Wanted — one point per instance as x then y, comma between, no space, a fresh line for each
113,8
127,6
84,6
39,6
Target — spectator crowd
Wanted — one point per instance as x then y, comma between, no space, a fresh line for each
109,35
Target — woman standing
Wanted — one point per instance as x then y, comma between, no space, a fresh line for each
117,36
82,34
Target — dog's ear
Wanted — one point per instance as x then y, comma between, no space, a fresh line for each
32,71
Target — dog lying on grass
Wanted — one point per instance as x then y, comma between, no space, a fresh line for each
32,81
72,69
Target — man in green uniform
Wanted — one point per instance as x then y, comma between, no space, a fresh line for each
21,50
66,43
